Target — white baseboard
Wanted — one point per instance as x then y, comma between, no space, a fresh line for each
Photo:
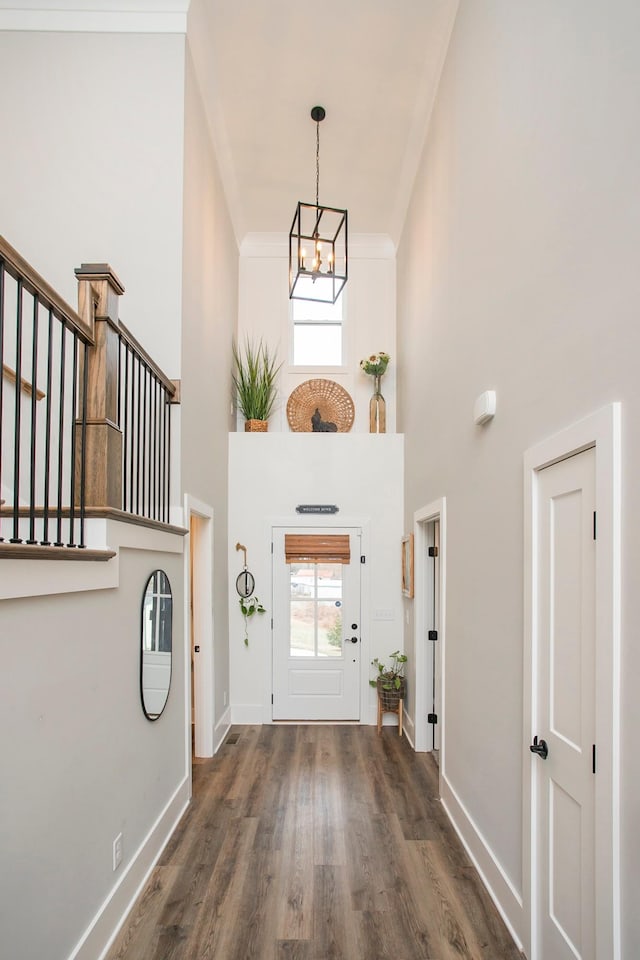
247,713
221,729
409,729
501,890
104,927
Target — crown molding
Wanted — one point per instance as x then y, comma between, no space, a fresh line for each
362,246
95,16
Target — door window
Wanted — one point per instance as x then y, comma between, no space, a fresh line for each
315,610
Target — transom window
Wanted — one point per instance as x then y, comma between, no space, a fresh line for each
317,333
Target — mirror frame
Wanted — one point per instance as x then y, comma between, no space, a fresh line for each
155,716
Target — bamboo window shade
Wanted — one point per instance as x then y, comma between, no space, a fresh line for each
317,548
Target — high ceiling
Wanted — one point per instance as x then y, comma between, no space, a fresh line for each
373,64
263,64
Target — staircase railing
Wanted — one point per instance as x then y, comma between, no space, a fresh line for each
85,420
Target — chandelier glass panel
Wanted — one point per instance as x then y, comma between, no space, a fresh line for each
318,256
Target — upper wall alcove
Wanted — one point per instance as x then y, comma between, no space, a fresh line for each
369,317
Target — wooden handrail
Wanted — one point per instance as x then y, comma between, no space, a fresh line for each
129,338
25,386
19,269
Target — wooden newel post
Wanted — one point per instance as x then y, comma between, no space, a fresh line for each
99,291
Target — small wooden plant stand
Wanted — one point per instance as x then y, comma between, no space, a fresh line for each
390,701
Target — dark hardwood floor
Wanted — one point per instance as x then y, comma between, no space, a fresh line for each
314,843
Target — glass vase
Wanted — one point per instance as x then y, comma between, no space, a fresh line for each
377,409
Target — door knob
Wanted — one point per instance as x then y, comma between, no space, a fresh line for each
540,748
352,639
196,649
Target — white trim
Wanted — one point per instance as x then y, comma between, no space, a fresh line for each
203,613
250,713
221,729
368,713
437,510
601,430
95,16
39,578
499,886
107,922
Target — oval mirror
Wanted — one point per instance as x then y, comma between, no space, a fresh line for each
155,658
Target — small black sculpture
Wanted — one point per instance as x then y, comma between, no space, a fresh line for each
318,425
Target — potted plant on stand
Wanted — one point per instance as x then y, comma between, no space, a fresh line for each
391,685
255,373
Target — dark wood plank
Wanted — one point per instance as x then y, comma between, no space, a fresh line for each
314,842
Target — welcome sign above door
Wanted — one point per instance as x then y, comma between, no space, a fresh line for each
317,508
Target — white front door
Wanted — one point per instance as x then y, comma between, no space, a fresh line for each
564,699
316,633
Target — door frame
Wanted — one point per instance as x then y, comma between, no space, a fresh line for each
322,522
601,431
202,576
436,510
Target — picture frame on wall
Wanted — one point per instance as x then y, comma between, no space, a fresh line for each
407,566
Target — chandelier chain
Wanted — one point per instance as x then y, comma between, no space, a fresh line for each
317,161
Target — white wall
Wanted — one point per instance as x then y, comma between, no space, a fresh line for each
269,475
210,297
91,168
264,311
90,171
81,763
517,271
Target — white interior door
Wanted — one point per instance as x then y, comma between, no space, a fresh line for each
316,633
564,699
437,644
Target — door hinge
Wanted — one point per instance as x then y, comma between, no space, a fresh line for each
593,758
272,698
272,546
432,718
363,559
433,634
594,525
433,551
272,623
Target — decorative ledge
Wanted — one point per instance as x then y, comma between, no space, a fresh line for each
22,551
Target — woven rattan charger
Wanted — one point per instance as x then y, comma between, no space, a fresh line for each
320,406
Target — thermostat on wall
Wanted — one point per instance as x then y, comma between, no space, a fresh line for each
485,407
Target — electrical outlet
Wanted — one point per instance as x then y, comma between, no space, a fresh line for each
117,851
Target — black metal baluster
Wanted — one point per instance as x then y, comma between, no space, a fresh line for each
83,462
2,275
139,365
150,463
74,413
34,400
144,437
17,425
131,429
123,423
168,457
47,440
154,433
63,358
163,462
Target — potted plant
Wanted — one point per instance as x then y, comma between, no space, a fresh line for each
390,681
248,607
255,371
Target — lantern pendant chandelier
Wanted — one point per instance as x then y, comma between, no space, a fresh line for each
317,243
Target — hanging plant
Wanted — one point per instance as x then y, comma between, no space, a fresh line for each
248,607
